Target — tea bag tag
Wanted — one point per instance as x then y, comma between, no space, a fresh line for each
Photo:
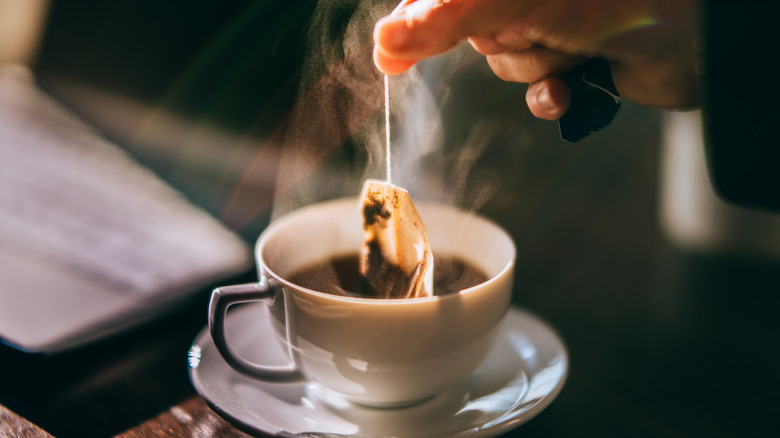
594,100
396,259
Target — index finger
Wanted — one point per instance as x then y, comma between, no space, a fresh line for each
420,28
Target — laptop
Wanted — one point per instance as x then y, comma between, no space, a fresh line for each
91,242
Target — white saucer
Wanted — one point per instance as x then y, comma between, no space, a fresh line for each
520,377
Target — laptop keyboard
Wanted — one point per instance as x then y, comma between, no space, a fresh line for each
74,198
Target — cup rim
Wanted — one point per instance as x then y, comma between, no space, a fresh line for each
265,269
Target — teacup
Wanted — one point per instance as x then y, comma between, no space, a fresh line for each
374,352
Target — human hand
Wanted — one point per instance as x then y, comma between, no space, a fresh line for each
649,44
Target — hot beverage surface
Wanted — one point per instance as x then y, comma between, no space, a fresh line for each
341,276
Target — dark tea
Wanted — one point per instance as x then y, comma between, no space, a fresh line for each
341,276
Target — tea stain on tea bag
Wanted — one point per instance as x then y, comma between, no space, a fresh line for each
396,259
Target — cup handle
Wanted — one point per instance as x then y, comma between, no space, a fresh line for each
221,299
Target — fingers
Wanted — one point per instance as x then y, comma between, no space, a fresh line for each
418,29
390,66
492,45
548,98
532,65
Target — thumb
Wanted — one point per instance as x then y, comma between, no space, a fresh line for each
421,28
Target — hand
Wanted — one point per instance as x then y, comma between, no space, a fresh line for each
649,44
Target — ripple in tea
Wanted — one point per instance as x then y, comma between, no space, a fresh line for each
341,276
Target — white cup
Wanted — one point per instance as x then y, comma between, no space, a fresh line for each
375,352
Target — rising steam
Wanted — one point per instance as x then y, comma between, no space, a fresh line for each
336,137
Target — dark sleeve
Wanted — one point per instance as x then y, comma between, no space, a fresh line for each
741,100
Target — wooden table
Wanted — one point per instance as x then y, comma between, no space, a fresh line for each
661,342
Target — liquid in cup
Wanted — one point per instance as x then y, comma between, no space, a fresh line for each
375,352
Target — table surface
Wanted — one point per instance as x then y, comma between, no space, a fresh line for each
662,342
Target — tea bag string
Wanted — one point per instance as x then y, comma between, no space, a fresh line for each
387,130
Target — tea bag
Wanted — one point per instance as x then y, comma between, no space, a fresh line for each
396,259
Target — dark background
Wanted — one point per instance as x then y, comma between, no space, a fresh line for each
222,61
663,341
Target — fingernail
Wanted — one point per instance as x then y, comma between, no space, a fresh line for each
544,99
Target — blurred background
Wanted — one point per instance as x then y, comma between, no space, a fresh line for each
204,93
192,89
653,283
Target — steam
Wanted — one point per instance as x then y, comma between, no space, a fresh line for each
336,137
